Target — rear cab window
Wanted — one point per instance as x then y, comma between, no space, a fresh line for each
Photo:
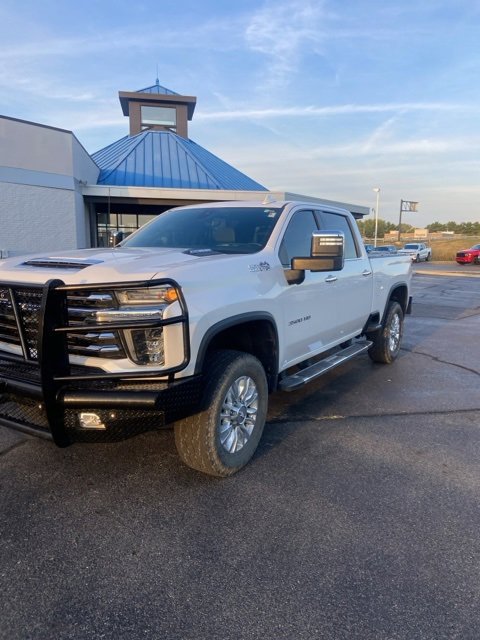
337,222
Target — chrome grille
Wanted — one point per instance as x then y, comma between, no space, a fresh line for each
20,309
82,306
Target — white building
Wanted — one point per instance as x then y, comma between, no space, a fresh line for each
54,195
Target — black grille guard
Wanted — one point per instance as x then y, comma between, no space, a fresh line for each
53,357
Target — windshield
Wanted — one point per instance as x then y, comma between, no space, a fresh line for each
411,246
219,229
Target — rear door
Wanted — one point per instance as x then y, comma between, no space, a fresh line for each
352,287
321,309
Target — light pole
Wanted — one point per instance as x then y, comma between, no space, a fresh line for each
377,191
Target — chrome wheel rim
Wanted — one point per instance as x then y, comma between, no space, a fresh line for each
394,337
238,414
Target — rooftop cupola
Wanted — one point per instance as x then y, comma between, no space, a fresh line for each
159,108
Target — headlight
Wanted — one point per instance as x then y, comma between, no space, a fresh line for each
144,345
147,296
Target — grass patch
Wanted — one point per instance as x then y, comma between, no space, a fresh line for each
443,249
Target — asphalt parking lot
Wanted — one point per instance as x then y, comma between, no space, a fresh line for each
358,517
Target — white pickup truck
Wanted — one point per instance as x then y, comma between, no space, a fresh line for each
193,320
418,251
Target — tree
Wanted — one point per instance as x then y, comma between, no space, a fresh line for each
453,226
367,227
436,226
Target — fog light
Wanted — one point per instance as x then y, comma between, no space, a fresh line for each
91,421
148,346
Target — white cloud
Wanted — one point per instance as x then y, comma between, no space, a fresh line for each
377,138
334,110
282,33
279,161
213,34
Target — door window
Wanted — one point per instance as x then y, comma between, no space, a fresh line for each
337,222
297,240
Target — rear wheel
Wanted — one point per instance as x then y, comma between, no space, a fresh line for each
222,437
387,341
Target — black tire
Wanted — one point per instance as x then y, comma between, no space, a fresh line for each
387,341
417,258
203,440
428,258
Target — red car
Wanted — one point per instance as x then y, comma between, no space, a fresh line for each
469,256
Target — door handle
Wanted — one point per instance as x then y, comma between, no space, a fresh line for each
331,279
367,272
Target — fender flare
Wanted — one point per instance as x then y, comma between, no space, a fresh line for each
228,323
398,285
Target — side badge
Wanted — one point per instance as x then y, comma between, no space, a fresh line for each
262,266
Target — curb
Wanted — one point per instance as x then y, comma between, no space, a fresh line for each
451,274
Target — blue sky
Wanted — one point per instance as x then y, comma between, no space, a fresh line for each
318,97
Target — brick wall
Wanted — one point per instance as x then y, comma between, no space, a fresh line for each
36,219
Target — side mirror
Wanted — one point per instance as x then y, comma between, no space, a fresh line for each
326,254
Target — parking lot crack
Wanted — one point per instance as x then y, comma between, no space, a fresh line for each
474,313
396,414
440,361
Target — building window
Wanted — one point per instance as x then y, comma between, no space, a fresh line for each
114,226
158,116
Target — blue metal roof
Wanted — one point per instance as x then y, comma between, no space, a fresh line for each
166,160
157,88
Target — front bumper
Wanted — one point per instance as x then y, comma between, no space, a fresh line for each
43,393
124,409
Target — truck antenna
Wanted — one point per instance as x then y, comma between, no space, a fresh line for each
268,199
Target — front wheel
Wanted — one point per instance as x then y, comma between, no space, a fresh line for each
387,341
223,436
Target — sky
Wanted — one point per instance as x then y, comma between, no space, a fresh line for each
318,97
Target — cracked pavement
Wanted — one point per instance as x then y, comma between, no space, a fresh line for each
357,518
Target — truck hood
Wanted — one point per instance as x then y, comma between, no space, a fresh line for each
103,265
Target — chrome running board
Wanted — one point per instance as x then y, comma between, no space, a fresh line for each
298,379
